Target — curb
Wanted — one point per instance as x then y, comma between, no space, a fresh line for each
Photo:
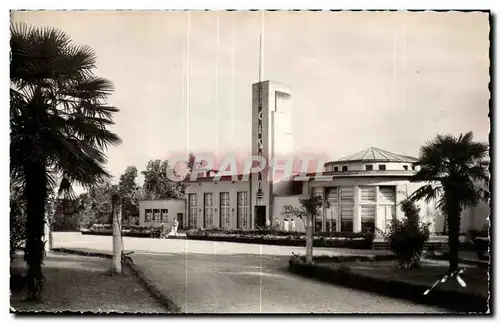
170,305
457,301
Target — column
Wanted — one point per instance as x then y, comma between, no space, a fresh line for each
379,215
357,210
323,189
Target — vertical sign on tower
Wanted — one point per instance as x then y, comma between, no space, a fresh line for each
260,195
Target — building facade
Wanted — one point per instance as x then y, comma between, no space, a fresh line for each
221,204
362,191
152,213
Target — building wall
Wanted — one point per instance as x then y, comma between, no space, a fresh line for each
384,210
174,206
284,207
217,187
277,139
361,166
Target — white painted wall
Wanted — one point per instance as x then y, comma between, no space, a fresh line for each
173,206
201,187
360,166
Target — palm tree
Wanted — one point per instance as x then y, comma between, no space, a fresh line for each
58,120
452,168
309,208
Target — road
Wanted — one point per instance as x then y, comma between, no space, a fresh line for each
221,277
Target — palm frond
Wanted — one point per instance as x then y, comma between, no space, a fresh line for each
427,192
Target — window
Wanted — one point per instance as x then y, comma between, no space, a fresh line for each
405,167
336,169
369,167
346,209
192,210
381,167
224,210
368,218
297,187
347,194
208,210
344,168
164,215
156,215
368,194
346,218
319,217
387,194
242,204
149,215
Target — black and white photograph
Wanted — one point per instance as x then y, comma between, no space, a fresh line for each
225,162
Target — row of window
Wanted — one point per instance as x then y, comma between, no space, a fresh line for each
369,167
225,212
156,215
341,202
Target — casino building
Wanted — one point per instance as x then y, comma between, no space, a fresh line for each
363,190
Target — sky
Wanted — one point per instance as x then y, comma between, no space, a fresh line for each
392,80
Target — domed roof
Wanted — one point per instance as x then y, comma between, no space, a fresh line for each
373,154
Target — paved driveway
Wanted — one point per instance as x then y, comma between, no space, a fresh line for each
220,277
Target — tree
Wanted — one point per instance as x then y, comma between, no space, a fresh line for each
156,183
129,195
309,208
453,170
58,120
406,237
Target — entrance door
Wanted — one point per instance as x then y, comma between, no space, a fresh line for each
180,219
384,215
260,216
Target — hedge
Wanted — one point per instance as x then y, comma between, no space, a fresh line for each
351,240
461,302
128,231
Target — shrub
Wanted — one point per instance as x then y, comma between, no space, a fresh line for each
406,237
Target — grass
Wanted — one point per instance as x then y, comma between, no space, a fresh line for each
84,284
476,277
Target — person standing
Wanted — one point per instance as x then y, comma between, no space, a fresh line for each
175,226
285,223
277,224
292,224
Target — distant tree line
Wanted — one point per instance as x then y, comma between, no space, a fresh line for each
94,206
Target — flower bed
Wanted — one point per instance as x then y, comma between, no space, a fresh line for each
323,239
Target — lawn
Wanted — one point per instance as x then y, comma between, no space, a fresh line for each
476,278
76,283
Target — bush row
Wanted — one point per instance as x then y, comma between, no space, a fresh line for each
267,232
460,301
128,231
301,259
298,239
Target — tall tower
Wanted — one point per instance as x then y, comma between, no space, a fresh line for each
271,137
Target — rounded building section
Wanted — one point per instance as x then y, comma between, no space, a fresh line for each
372,159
